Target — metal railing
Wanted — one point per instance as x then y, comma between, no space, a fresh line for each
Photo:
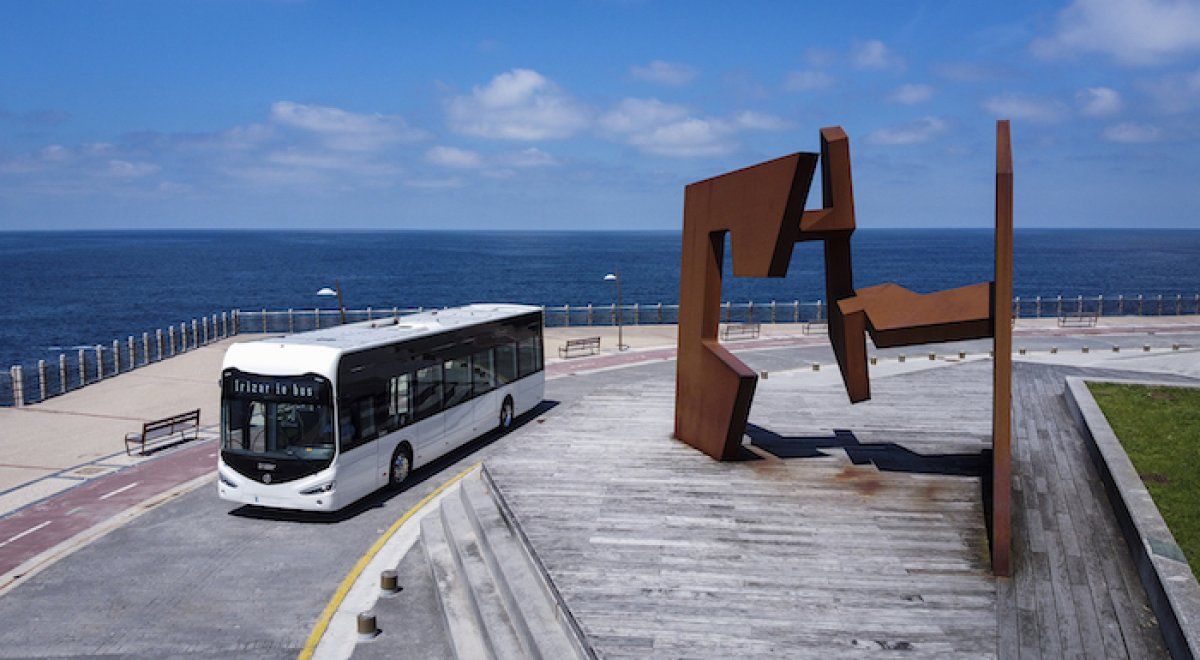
31,383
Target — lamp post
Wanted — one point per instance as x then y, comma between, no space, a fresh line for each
616,277
335,291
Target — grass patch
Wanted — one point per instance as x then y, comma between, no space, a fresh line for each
1160,430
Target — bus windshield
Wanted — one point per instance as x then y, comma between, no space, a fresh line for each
276,417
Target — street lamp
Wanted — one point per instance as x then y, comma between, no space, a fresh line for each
616,277
335,291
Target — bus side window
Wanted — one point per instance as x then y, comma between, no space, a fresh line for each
527,357
427,399
366,419
483,371
347,428
399,407
506,364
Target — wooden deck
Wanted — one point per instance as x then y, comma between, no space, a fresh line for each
827,542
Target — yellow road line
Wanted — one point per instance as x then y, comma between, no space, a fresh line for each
339,595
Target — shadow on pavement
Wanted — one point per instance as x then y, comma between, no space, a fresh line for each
381,497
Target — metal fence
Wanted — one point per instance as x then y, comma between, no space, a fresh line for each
45,379
30,383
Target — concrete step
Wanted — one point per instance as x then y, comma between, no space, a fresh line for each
463,619
527,590
496,601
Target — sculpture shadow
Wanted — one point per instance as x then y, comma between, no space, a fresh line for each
379,498
885,456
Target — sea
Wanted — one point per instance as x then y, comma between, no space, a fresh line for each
70,289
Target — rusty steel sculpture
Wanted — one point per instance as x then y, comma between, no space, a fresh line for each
761,208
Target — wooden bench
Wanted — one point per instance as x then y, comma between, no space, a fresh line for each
1078,319
161,431
741,331
816,327
581,346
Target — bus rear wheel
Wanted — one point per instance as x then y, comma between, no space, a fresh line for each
401,467
506,414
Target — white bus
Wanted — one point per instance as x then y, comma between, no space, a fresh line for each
317,420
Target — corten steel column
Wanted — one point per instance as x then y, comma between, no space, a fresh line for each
1002,368
760,207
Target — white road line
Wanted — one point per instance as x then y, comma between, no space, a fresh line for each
122,489
26,533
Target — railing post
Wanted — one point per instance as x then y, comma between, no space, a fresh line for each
589,315
1058,310
99,362
18,386
1159,305
41,380
237,321
291,321
145,348
158,342
773,317
171,337
819,317
369,317
1100,305
1120,304
1037,307
1141,302
82,368
317,316
62,373
566,316
1079,305
660,316
264,320
204,327
183,340
132,353
637,320
1017,307
750,312
116,357
1196,304
728,310
613,315
795,311
1178,304
224,325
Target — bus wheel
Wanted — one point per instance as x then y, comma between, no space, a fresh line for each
506,414
401,466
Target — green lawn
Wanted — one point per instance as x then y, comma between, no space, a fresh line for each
1160,430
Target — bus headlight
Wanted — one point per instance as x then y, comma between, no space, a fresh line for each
317,490
225,480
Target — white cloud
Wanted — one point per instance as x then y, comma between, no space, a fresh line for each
759,121
1176,93
874,54
807,81
911,94
1099,101
664,73
916,132
1135,32
531,157
517,105
454,157
1021,106
344,130
1132,133
124,169
435,184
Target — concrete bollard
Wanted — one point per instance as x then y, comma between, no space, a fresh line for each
225,324
158,344
171,337
116,362
901,358
132,353
99,362
195,334
82,368
145,348
204,329
41,380
388,584
62,373
367,628
816,366
183,342
18,385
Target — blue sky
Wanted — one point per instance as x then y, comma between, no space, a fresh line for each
582,115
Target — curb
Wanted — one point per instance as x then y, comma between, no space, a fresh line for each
1170,585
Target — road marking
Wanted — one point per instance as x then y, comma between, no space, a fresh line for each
118,491
26,533
75,510
322,624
